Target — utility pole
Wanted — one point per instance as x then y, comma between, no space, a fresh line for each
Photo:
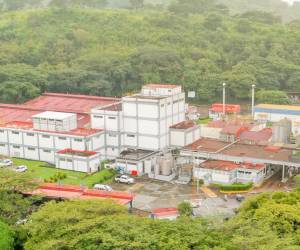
224,99
253,99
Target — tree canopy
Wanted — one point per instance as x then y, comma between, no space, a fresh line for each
111,52
272,97
6,237
104,225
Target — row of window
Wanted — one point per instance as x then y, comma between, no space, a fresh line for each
101,117
29,148
45,136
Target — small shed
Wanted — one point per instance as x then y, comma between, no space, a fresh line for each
184,133
77,160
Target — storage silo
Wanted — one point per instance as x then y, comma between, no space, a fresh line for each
282,131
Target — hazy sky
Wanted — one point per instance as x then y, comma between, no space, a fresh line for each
291,1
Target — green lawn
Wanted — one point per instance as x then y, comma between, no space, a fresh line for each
205,120
41,170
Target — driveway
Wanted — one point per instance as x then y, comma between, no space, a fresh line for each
152,194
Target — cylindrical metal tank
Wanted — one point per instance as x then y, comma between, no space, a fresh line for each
157,169
166,167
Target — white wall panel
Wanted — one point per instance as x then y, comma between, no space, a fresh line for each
148,110
130,125
129,109
3,135
148,127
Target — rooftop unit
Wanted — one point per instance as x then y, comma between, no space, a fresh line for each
160,89
55,121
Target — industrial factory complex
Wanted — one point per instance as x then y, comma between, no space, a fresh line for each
152,134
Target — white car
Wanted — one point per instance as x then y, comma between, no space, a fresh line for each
6,163
21,169
124,179
103,187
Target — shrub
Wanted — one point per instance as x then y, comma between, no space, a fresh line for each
235,186
185,209
56,177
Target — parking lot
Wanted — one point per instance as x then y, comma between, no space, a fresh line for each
156,194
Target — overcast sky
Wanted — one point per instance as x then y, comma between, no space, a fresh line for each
291,1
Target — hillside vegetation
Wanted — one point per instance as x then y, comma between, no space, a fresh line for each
111,52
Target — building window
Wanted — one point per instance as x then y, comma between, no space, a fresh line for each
132,136
31,149
16,146
98,116
1,131
69,160
112,118
78,140
15,132
162,105
112,135
47,151
30,134
62,138
46,136
2,145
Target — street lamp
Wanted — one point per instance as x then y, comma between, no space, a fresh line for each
253,99
224,98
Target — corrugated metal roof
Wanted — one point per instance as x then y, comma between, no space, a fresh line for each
280,107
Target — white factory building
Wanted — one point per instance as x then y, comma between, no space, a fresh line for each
22,140
141,121
43,127
148,116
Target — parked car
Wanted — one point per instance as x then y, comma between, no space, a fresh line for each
195,203
103,187
6,163
240,198
124,179
21,168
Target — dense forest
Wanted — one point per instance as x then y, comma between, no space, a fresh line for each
114,51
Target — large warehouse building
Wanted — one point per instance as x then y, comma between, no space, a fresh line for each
275,113
44,127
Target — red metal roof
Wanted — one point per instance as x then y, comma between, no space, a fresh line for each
229,108
29,126
230,166
53,190
158,85
184,125
79,104
165,211
73,151
220,165
18,124
257,136
235,129
241,150
69,102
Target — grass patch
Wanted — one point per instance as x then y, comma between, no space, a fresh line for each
297,154
235,187
204,120
41,171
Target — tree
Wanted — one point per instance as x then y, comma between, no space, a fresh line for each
272,97
6,237
185,209
95,224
